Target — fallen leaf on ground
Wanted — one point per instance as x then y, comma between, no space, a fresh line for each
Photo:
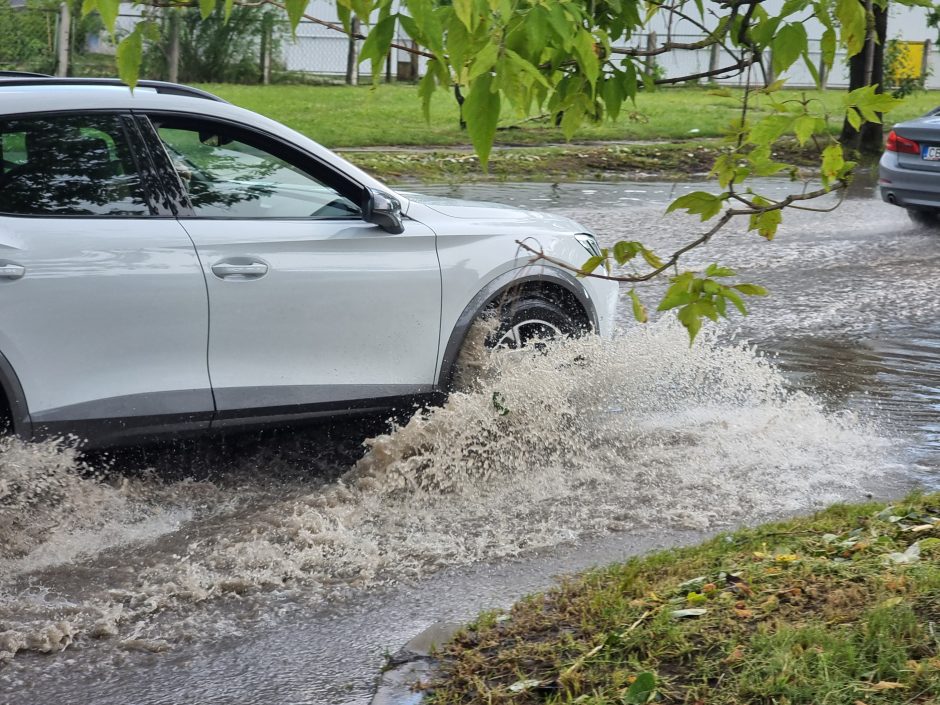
696,612
885,685
520,686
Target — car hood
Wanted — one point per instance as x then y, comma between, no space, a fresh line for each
485,211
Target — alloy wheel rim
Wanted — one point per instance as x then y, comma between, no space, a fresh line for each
522,333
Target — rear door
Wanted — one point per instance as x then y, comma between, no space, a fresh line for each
103,304
311,306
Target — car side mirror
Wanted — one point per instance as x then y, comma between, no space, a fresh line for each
384,210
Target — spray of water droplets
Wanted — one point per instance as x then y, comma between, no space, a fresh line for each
539,448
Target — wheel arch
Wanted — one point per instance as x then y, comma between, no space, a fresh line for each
563,286
13,408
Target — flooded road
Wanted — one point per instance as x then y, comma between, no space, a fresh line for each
282,569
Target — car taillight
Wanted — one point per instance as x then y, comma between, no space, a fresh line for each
896,143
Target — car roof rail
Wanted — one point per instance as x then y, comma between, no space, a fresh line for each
22,74
15,78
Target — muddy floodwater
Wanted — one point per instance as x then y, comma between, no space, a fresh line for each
284,567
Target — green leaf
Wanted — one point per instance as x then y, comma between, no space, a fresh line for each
705,204
426,87
613,95
804,127
464,11
691,319
587,56
733,297
766,223
205,8
813,71
571,120
787,46
458,43
651,259
129,56
526,68
427,23
751,289
679,293
639,310
832,163
721,306
592,264
642,690
376,46
484,61
295,12
561,24
108,9
828,47
770,128
714,270
536,27
851,16
481,110
763,31
854,117
761,162
625,251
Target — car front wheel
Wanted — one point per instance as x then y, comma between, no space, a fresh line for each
531,319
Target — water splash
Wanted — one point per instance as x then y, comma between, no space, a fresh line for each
538,449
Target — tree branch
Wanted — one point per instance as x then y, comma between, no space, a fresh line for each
539,253
356,35
742,64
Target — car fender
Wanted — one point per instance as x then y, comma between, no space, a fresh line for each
19,411
495,288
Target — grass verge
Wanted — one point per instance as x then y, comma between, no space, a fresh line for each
347,116
672,160
840,608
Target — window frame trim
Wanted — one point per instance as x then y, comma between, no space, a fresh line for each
306,159
122,115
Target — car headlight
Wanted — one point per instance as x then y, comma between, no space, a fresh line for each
589,243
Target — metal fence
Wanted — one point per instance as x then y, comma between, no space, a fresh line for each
29,38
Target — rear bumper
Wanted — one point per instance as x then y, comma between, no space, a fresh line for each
907,188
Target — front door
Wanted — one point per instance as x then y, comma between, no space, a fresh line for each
310,305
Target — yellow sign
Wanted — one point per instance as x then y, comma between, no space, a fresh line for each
910,60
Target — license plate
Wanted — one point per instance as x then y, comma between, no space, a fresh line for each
930,154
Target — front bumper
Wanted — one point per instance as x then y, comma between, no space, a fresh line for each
604,295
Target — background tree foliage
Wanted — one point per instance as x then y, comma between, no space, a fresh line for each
571,57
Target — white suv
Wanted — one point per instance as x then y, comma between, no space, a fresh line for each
170,262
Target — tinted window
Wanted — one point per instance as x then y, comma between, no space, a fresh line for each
70,165
228,173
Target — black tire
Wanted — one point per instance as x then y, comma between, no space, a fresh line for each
530,318
924,218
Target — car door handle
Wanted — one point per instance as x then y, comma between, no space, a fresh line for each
11,271
240,270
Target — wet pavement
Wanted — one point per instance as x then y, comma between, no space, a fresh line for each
255,571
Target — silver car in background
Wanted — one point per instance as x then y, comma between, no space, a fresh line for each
909,170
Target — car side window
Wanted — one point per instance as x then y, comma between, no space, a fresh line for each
231,173
69,165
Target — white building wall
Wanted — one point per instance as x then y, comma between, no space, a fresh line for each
321,50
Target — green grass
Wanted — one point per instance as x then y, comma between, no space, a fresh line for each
823,610
344,116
